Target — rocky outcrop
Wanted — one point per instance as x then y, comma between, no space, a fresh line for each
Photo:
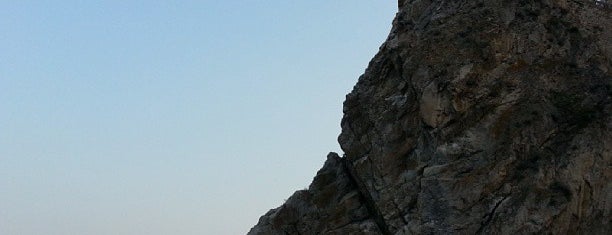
474,117
332,204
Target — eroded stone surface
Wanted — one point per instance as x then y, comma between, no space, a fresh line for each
331,205
474,117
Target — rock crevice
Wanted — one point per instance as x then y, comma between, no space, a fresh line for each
369,203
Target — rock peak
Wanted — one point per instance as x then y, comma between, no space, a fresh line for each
487,117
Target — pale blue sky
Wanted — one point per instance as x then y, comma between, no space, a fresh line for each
171,117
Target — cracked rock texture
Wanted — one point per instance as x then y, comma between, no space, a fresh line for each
475,117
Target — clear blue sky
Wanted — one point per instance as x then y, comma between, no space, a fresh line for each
171,117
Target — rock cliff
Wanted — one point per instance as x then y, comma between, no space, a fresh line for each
475,117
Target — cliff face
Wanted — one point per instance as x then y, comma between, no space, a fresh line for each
475,117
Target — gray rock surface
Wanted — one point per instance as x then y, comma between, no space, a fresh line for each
475,117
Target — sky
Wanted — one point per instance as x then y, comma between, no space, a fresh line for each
171,117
